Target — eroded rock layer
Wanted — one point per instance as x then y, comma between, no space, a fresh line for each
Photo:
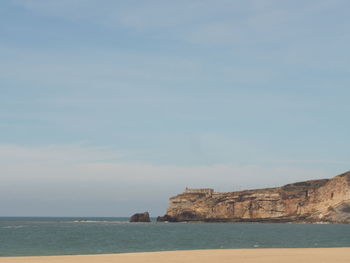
326,200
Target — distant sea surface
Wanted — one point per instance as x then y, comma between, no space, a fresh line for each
65,236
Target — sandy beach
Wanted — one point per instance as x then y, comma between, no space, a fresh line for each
298,255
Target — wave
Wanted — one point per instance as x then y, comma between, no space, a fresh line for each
100,221
12,227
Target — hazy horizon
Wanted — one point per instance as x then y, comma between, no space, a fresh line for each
108,108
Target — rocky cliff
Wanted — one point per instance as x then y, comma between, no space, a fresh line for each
326,200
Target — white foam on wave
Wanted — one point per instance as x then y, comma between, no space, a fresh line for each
12,227
100,221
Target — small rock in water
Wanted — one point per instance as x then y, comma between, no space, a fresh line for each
140,217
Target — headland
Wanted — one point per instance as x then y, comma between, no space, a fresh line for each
314,201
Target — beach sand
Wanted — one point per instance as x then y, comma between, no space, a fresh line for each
298,255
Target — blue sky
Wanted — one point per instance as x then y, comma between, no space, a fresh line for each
128,102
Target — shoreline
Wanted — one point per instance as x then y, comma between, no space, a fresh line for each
253,255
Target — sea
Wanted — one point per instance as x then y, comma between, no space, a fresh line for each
20,236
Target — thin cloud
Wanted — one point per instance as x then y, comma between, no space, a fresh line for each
58,174
70,153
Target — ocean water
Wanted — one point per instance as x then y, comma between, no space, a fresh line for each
63,236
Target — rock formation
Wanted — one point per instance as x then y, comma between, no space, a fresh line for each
140,217
315,201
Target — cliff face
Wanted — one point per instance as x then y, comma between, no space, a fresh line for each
326,200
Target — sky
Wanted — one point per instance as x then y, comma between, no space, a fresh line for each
110,107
